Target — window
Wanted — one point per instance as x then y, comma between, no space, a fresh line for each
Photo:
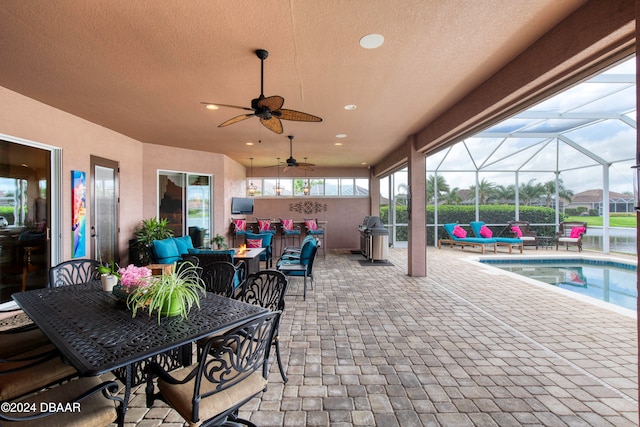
185,200
318,187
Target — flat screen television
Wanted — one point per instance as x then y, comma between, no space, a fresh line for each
241,205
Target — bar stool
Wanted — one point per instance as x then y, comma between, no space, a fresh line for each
239,229
265,226
288,229
317,231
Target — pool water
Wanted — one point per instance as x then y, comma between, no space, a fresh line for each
607,281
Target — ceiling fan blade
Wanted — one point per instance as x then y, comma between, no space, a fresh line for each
227,105
306,167
273,103
236,119
273,124
309,165
297,116
286,168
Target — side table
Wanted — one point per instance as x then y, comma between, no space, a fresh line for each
545,241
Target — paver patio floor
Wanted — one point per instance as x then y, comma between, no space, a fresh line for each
463,346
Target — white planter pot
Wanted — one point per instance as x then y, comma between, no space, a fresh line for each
108,282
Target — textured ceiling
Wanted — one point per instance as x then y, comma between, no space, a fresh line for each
142,68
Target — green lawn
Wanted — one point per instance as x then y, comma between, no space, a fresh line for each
614,221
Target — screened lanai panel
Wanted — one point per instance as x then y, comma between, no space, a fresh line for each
482,149
612,140
571,158
574,179
457,159
514,152
434,160
624,172
622,100
517,153
509,126
577,96
555,125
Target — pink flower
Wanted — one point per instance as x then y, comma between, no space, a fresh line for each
134,276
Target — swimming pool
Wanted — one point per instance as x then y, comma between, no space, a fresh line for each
609,281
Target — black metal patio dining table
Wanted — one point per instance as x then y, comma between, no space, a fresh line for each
96,333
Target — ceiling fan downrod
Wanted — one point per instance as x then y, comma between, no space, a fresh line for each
262,54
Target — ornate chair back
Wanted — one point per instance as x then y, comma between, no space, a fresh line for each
266,288
234,364
219,278
73,272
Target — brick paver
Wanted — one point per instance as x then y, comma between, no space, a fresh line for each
460,347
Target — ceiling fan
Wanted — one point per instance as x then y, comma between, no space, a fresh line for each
269,109
293,163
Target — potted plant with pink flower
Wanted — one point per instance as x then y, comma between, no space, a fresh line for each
131,277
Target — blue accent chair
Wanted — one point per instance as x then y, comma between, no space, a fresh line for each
267,243
300,265
316,230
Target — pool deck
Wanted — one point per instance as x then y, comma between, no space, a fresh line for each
463,346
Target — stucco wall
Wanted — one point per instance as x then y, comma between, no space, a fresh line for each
228,178
27,119
343,215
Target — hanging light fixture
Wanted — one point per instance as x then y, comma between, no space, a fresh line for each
277,187
306,189
252,188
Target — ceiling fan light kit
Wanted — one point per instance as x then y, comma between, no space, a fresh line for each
268,109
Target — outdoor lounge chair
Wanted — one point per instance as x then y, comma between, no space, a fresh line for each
509,242
570,233
528,236
465,241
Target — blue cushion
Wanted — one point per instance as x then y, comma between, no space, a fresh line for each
306,251
291,272
166,251
318,231
512,240
475,227
266,242
183,243
449,230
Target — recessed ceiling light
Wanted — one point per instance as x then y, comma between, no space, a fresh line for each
371,41
249,143
341,135
350,107
363,163
338,143
211,107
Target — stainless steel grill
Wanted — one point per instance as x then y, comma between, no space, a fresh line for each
374,239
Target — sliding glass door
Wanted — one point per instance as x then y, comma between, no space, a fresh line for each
185,200
25,217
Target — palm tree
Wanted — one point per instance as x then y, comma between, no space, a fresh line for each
505,194
443,187
550,191
486,190
530,191
452,197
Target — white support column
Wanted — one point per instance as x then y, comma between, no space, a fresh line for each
605,209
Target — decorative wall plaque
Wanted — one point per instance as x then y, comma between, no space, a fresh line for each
308,207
